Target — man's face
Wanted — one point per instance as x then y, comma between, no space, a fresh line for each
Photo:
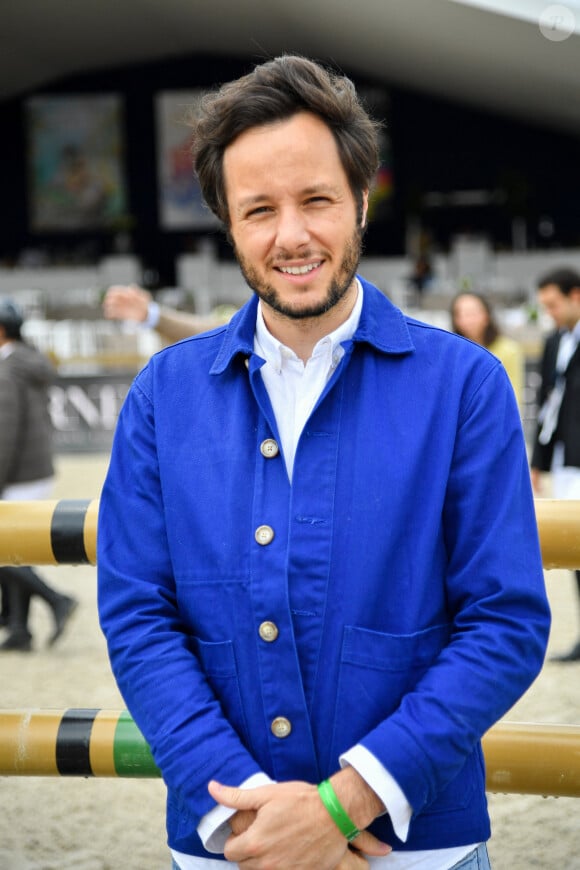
293,217
563,309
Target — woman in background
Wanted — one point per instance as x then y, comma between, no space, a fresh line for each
472,316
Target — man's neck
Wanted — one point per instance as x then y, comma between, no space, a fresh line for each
572,326
302,335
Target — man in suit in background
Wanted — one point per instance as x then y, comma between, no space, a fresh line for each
557,445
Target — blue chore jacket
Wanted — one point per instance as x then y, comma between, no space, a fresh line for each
392,596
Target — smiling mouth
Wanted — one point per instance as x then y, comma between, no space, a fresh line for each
299,270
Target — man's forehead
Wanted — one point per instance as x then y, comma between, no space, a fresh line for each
303,131
273,159
551,290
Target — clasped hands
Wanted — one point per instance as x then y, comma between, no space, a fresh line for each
286,825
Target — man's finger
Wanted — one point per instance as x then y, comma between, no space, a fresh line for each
370,845
237,798
241,821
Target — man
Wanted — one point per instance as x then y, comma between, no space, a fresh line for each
319,574
26,470
557,444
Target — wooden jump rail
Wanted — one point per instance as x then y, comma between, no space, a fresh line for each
520,758
64,532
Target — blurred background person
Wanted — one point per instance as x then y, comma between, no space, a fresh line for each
557,445
472,316
26,470
131,302
422,275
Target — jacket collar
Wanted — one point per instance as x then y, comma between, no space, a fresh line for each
382,325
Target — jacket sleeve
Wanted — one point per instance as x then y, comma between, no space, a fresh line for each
496,601
10,413
32,367
156,669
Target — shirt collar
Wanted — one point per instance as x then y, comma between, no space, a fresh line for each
382,325
275,352
6,349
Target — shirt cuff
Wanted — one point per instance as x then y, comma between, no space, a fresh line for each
214,827
153,314
382,783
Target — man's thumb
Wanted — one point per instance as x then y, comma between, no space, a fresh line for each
234,798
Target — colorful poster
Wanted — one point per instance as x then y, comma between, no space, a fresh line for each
180,201
75,158
376,101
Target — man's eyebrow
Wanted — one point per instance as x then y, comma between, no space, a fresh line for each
311,190
251,200
320,188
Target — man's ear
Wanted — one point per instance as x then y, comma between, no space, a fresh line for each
364,209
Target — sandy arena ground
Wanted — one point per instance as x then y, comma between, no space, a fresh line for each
106,824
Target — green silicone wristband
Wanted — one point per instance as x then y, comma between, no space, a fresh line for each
337,812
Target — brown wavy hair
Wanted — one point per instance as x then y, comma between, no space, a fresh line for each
274,91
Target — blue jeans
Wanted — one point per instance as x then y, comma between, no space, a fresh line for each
476,860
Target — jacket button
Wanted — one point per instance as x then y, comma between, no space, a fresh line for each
264,535
269,448
281,727
268,631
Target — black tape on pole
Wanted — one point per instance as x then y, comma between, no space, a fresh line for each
73,742
67,531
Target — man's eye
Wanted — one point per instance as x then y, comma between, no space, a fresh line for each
261,209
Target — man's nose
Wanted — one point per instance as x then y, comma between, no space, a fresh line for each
292,229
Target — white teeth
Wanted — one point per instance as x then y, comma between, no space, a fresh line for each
298,270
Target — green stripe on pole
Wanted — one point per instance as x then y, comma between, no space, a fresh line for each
131,752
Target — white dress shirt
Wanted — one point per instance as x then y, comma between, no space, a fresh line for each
294,389
550,410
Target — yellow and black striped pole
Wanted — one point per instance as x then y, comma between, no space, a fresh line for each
57,532
559,530
65,532
533,758
73,742
520,758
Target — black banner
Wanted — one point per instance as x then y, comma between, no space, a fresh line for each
84,410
